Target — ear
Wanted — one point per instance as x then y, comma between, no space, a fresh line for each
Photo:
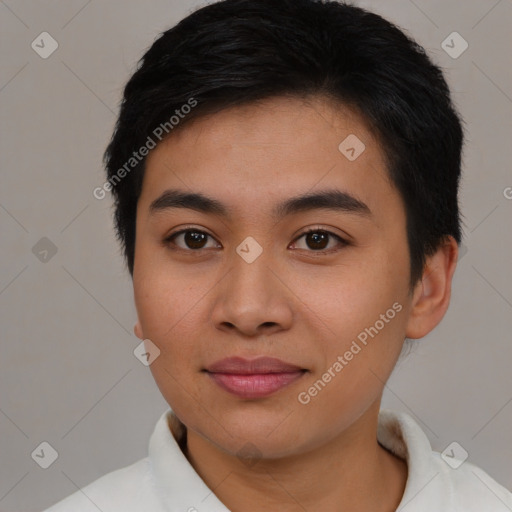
137,329
431,295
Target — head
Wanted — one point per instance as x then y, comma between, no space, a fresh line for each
253,122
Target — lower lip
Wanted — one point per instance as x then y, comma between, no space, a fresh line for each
256,385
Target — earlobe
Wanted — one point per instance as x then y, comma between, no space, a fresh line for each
431,295
137,329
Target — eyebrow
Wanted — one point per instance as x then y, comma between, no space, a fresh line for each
330,199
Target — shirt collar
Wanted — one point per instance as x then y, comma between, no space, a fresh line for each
176,481
425,490
181,488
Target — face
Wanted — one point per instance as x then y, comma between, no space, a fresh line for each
240,276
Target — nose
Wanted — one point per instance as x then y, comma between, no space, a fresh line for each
254,298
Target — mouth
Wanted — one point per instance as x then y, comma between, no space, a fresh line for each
256,378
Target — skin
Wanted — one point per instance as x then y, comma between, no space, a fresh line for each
292,302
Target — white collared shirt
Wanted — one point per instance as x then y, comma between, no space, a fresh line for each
166,482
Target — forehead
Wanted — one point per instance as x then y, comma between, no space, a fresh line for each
250,156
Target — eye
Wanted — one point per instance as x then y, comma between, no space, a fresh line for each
193,239
318,240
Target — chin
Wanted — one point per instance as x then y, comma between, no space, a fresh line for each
258,438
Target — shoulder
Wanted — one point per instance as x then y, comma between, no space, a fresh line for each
436,481
128,488
470,488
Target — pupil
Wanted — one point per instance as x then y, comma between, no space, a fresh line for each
317,238
193,239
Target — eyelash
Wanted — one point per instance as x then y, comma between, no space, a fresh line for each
168,241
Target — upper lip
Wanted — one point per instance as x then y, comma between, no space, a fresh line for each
241,366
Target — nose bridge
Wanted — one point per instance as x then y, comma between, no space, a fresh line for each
251,296
251,273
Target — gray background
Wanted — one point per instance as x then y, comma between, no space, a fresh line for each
68,375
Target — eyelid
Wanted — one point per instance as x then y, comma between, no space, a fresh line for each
187,228
343,241
168,238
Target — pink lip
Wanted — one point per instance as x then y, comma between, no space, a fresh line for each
254,378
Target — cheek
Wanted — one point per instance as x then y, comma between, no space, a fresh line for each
356,364
165,296
171,305
167,310
352,296
362,314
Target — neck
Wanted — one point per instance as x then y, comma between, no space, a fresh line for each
351,472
